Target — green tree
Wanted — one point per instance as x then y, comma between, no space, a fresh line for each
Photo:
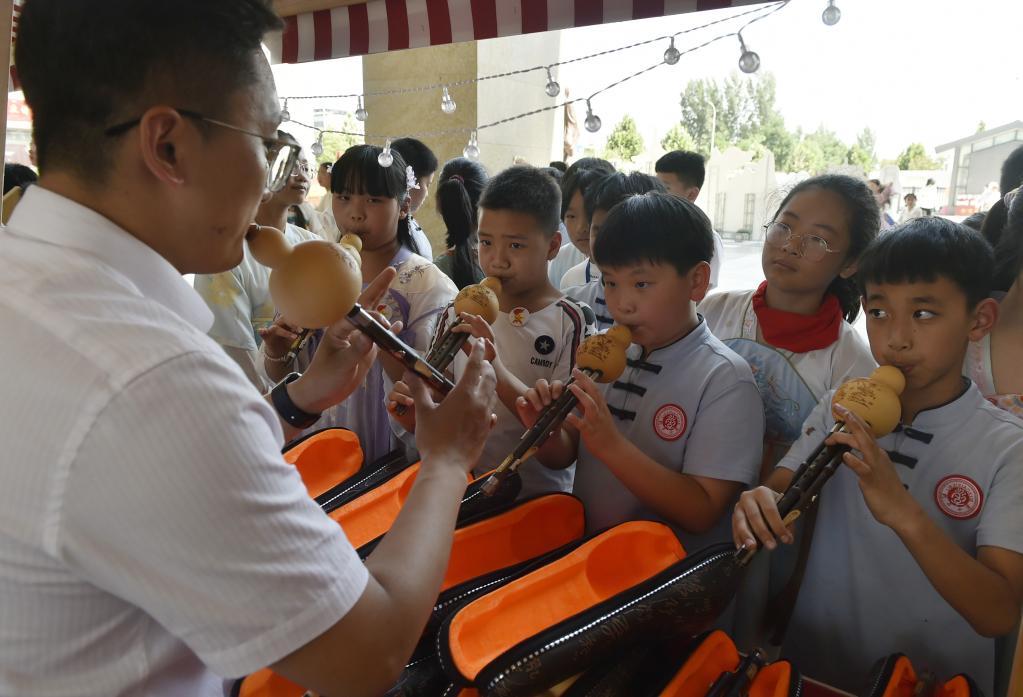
677,138
915,157
336,143
697,114
862,153
982,126
625,142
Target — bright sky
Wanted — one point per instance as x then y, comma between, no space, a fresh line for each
912,70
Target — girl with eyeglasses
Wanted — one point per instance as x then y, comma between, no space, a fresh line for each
795,329
372,202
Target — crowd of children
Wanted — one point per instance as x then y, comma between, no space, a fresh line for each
917,546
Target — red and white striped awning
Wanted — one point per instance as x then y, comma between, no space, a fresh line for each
391,25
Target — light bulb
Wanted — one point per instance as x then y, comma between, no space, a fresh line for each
317,148
553,89
472,149
592,121
671,54
385,158
831,14
285,114
447,104
360,113
749,62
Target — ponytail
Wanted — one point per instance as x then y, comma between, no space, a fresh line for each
458,194
847,291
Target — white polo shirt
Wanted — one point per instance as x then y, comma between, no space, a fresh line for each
863,595
151,536
592,295
532,346
693,407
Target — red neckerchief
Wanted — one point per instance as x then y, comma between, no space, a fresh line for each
794,332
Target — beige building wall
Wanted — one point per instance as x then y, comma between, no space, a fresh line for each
536,138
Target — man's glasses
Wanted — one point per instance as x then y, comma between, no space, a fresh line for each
811,247
305,170
281,156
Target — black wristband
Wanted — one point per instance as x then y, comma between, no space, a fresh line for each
286,409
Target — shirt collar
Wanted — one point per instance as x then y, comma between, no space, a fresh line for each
697,336
956,411
48,217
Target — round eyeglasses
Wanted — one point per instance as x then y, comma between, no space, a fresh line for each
810,247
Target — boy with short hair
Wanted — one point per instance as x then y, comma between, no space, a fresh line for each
538,329
575,226
918,545
683,173
583,282
680,432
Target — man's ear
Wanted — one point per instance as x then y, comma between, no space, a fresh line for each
985,316
163,141
699,278
555,245
406,206
849,270
692,193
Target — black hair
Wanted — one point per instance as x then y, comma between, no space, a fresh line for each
1012,171
655,227
615,188
1009,248
863,219
458,194
925,249
357,171
688,166
559,165
18,175
590,163
908,195
554,173
975,221
929,182
525,189
579,180
416,153
86,66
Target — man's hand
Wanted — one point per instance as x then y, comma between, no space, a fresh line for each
756,517
884,493
595,424
537,398
452,432
278,337
402,395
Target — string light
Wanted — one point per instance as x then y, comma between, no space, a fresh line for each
553,89
360,112
285,114
831,14
472,149
447,104
749,62
317,148
592,122
385,158
671,54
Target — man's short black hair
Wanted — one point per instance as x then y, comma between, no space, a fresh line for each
925,249
655,227
90,64
18,175
1012,171
525,189
688,166
559,165
579,181
615,188
418,154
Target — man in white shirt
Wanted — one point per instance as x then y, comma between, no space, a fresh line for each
910,210
152,539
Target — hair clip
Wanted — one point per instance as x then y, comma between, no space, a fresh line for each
410,178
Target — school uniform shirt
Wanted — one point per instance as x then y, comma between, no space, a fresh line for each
790,383
152,539
568,256
863,595
692,407
421,240
532,345
582,273
592,295
417,297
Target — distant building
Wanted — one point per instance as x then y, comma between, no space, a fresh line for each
739,193
977,159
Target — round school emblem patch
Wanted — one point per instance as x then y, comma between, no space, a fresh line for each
958,497
544,345
518,316
670,422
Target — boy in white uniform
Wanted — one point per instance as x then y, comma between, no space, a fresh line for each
583,283
240,298
683,173
918,546
538,330
575,224
679,434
